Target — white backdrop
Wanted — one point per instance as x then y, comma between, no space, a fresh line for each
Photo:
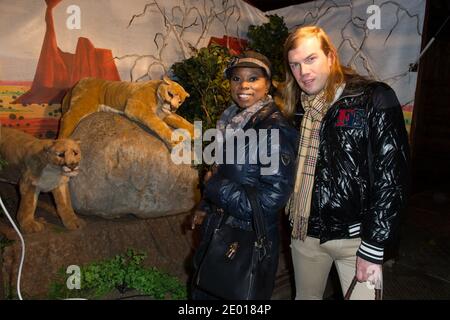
147,37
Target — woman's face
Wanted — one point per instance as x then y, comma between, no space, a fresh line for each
248,86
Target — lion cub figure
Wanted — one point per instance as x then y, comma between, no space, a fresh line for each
40,165
152,103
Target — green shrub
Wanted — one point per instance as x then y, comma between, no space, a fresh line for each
123,272
269,39
202,77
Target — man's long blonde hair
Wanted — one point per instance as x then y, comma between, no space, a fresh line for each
292,90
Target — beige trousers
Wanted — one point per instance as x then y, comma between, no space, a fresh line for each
312,264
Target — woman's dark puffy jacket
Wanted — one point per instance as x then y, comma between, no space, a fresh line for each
362,171
224,189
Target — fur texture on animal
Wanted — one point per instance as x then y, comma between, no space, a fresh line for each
40,165
152,103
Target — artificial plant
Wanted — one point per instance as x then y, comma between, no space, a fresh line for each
202,77
269,39
123,273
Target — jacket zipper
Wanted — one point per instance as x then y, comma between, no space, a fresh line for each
359,182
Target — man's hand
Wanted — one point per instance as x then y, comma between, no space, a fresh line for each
368,271
198,218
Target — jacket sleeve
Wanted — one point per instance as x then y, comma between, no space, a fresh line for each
389,174
274,182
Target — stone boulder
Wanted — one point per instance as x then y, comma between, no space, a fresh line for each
126,169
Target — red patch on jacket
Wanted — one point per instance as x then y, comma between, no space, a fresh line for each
350,118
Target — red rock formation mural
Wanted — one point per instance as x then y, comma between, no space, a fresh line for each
57,70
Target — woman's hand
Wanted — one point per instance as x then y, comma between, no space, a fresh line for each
198,218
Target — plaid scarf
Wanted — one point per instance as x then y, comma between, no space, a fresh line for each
299,204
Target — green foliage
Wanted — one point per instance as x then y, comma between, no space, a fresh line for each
122,272
202,77
269,39
3,163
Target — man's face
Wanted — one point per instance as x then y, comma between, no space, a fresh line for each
309,65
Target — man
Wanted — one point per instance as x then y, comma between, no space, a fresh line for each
352,174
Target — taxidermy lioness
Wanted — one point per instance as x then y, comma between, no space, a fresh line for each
152,103
40,166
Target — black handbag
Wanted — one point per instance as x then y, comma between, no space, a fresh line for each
237,264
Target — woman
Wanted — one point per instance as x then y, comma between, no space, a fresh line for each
253,109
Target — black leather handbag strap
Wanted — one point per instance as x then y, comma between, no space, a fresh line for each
258,219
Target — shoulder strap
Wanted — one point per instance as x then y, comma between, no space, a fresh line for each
258,220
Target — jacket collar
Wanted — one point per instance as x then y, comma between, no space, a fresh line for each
354,87
261,115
